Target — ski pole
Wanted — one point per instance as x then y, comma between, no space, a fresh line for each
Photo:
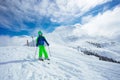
35,52
49,51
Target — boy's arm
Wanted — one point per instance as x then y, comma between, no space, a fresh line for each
37,41
46,41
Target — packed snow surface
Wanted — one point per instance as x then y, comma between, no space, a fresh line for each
20,63
67,58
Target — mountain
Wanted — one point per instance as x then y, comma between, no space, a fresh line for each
75,37
74,55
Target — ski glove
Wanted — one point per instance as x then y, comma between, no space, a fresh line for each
36,45
47,44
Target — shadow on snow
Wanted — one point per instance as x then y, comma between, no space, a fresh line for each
17,61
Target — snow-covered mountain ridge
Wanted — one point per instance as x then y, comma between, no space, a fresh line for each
104,48
107,49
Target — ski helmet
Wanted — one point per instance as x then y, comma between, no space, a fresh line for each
40,33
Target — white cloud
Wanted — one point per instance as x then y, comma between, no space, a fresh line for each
14,41
32,10
86,19
106,24
14,13
69,9
35,31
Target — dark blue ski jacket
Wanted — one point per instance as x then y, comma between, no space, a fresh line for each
41,41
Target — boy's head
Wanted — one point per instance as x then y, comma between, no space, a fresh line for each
40,33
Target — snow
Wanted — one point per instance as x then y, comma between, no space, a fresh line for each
67,59
98,45
19,63
6,40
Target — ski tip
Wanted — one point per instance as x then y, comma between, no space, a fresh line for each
40,59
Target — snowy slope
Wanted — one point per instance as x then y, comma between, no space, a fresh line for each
18,63
75,37
68,61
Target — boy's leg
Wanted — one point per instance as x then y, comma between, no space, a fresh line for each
40,52
45,52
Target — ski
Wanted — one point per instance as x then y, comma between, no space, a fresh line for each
47,61
41,59
44,60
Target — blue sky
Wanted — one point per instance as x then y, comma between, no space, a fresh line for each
22,17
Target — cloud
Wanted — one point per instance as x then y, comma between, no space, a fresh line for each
15,12
70,9
14,41
35,31
106,24
86,19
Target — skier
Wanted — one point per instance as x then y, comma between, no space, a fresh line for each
40,43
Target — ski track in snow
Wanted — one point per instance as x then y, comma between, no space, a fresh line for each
18,63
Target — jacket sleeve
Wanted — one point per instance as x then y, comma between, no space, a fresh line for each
37,41
46,41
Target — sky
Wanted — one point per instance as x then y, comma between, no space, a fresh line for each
24,17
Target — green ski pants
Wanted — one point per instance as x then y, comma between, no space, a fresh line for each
42,51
